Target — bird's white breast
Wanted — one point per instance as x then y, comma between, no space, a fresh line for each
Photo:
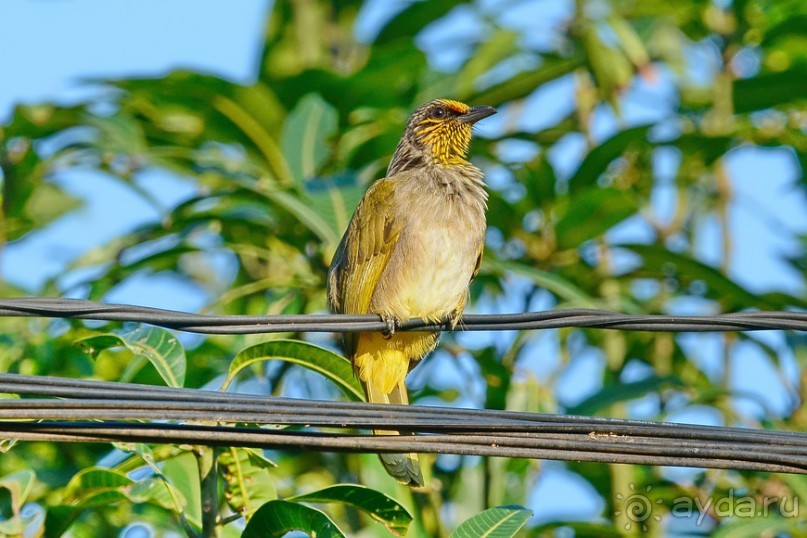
432,264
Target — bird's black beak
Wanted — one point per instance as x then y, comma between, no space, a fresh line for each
477,113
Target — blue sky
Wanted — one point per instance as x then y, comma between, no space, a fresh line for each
102,38
111,38
93,38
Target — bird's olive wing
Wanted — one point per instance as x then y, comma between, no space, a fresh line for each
363,253
478,262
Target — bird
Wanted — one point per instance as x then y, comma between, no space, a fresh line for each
411,249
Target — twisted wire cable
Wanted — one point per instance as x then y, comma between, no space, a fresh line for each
70,410
550,319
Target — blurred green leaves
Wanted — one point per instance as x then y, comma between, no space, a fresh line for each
19,486
29,200
600,157
97,487
306,136
594,212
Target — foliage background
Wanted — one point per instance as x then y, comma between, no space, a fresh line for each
648,157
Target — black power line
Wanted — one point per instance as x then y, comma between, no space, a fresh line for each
99,411
94,411
550,319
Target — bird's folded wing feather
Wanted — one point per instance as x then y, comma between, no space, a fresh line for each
363,253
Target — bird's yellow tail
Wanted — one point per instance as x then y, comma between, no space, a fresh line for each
382,371
404,468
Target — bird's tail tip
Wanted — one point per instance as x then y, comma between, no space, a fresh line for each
404,468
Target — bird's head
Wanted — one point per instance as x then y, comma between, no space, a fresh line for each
439,132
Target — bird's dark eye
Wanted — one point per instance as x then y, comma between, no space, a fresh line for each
438,113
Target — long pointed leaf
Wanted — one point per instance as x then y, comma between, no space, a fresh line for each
306,133
276,518
317,359
374,503
499,522
159,346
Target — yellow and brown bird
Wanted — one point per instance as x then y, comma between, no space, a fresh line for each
411,249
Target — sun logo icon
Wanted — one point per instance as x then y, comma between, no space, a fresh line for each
637,507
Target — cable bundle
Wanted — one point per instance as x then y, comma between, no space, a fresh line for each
88,411
99,411
550,319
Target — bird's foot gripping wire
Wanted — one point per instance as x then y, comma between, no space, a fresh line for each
392,324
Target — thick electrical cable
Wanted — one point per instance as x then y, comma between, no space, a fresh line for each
551,319
70,410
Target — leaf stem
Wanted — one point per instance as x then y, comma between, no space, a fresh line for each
208,477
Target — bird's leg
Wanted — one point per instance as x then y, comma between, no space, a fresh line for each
392,324
453,319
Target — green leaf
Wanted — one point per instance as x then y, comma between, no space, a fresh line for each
412,19
708,148
29,201
158,346
249,127
499,522
797,484
658,261
748,527
630,43
119,134
622,392
794,25
97,487
374,503
276,518
335,199
306,134
19,486
598,159
47,203
549,281
182,472
317,359
89,488
157,491
14,526
600,530
523,84
248,484
769,90
497,377
302,210
490,52
92,482
540,180
610,67
592,213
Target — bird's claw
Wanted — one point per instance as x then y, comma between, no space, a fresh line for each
392,324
